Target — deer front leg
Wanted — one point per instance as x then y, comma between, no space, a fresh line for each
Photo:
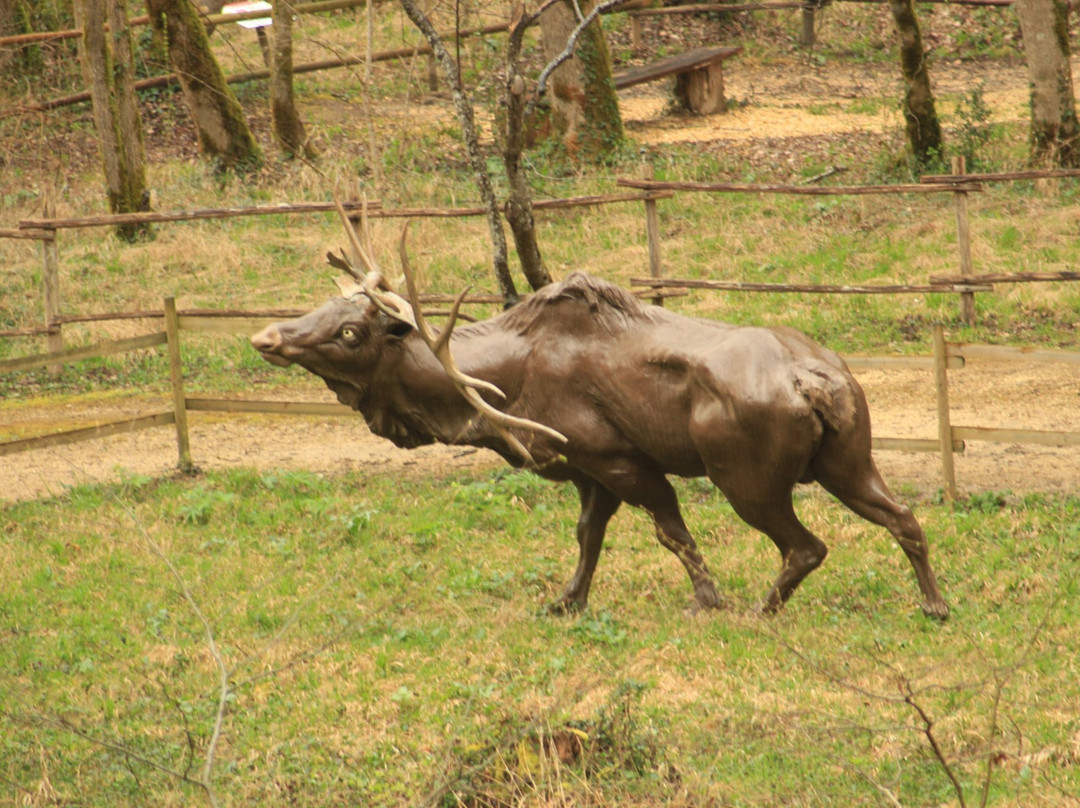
647,488
598,505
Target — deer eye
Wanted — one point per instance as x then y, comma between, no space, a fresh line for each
348,333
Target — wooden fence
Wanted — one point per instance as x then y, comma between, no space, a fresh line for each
950,438
649,193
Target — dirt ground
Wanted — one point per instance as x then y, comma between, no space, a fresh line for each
902,405
902,402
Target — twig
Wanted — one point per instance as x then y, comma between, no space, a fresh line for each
826,173
887,793
928,731
223,672
125,751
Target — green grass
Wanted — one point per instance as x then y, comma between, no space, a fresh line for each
387,642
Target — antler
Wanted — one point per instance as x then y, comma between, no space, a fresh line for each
361,250
468,385
375,287
373,284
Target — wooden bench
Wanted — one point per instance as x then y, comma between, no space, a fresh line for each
699,77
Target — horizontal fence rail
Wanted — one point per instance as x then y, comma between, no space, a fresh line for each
645,190
946,356
815,288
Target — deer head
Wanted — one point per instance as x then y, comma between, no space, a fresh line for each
373,285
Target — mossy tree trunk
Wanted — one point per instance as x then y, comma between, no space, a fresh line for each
584,105
288,128
26,62
11,24
1054,129
224,135
920,114
107,67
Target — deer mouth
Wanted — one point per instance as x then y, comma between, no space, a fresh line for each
276,359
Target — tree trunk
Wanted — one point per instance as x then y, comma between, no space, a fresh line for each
518,208
21,61
464,109
585,108
1054,128
107,70
920,114
219,119
10,25
288,128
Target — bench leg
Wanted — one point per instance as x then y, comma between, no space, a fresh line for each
702,90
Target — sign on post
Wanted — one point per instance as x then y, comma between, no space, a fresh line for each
244,7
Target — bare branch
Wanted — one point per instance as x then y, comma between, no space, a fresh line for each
928,732
128,752
886,793
223,672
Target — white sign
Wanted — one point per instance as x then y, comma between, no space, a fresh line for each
251,5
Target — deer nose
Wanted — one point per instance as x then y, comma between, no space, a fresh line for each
268,340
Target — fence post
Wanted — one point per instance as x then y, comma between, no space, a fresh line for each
941,387
652,231
807,38
176,371
50,281
963,242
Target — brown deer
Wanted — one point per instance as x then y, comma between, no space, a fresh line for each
582,382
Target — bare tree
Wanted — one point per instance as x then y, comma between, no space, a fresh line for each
1055,132
584,105
520,108
288,128
920,113
224,134
107,67
518,209
472,144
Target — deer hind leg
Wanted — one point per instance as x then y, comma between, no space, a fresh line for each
864,492
801,552
598,505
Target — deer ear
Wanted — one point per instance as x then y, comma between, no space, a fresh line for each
397,329
350,289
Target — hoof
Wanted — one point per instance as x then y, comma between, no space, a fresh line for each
564,606
706,597
696,608
936,611
767,609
